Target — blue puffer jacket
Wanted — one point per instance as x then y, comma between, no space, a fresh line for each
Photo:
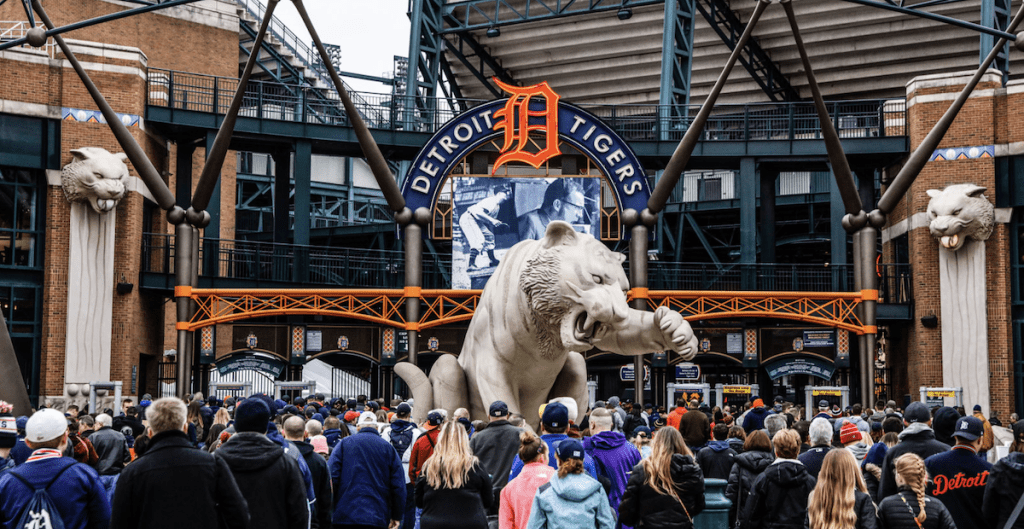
571,502
78,494
368,481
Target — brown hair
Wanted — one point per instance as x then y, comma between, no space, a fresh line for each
658,466
787,444
911,468
831,504
569,466
531,447
737,432
757,440
891,439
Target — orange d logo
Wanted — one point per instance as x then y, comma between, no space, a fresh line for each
517,112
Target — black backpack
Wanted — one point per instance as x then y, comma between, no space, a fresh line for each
401,439
41,512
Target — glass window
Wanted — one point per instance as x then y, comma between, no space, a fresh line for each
19,218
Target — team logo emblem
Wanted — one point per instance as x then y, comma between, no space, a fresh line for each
705,345
798,344
433,343
518,120
251,341
343,342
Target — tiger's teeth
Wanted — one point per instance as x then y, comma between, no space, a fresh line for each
945,241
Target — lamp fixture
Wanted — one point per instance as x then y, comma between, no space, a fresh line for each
493,31
625,13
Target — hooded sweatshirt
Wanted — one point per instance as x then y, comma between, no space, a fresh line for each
1006,485
859,450
754,419
716,459
918,438
779,497
615,458
269,480
577,500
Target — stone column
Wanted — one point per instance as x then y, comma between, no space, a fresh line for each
962,289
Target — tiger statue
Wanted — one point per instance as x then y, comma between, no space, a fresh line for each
548,301
95,176
960,211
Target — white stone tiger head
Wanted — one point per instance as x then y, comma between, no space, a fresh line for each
958,212
95,176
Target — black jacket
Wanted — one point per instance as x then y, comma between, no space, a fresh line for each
867,514
112,448
778,499
148,490
270,481
913,440
321,484
642,506
871,473
716,460
748,466
496,447
893,513
463,507
1004,490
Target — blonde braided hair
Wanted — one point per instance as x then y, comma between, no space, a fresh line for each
911,468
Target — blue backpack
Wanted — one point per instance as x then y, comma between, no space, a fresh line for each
41,512
401,439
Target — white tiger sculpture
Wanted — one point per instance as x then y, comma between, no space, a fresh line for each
960,211
95,176
548,301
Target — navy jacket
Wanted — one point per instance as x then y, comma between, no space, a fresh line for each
755,419
369,484
959,477
813,458
78,494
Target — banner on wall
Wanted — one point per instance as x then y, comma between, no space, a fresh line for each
493,214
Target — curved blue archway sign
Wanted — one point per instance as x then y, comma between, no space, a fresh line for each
549,120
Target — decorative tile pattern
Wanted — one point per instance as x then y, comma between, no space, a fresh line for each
95,116
388,341
298,340
963,153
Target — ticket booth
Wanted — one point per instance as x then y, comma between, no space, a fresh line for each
835,395
734,395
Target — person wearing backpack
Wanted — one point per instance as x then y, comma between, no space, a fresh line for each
401,433
51,488
496,447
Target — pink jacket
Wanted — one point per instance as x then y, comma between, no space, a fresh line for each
517,496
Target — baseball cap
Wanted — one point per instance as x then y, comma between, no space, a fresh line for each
435,418
642,430
498,409
969,428
977,407
45,425
822,405
556,415
404,409
373,405
351,403
778,399
569,449
367,418
917,412
351,415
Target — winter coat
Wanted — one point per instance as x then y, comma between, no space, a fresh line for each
1004,490
172,465
672,421
322,509
552,440
422,448
642,506
112,448
871,469
716,460
696,429
748,466
496,446
269,479
988,439
632,423
615,457
575,501
778,499
736,445
917,439
367,477
464,507
77,494
893,513
333,436
754,419
863,507
958,479
517,496
813,458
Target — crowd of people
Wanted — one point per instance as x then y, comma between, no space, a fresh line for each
357,463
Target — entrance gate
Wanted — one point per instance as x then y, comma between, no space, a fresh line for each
257,381
346,384
688,391
308,387
231,389
938,396
833,394
734,395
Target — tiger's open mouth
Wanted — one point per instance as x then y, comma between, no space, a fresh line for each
952,242
586,327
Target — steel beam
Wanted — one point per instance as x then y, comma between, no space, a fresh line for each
424,53
676,62
995,14
485,14
638,279
1008,34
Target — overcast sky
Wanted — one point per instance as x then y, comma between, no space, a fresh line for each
370,33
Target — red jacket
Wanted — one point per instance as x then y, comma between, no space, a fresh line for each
674,417
422,449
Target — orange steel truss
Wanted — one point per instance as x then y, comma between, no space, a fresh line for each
442,306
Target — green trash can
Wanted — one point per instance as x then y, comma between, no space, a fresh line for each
716,507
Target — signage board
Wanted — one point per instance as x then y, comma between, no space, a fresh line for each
736,390
940,394
626,373
819,339
314,341
800,366
687,371
734,343
267,365
826,392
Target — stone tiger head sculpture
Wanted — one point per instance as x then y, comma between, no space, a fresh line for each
95,176
960,211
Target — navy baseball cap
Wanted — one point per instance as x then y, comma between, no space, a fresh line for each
498,409
569,449
351,403
917,412
373,404
822,404
435,418
556,415
969,428
403,409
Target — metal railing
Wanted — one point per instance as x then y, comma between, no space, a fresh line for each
751,122
17,29
275,263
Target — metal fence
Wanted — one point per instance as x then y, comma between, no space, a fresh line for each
346,384
750,122
261,383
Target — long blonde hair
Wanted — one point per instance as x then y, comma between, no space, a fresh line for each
222,417
658,466
831,504
448,467
911,468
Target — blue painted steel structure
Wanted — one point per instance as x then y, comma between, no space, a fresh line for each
676,59
995,14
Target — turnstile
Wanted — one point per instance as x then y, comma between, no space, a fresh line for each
234,389
938,396
688,391
309,387
734,394
833,394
